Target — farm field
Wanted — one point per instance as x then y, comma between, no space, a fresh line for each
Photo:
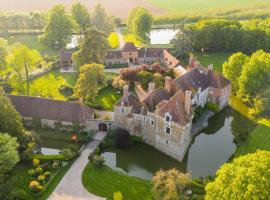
119,8
191,5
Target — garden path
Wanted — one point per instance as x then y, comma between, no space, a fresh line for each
71,187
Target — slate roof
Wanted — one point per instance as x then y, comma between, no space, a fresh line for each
176,108
50,109
199,78
113,54
150,52
155,98
131,100
129,47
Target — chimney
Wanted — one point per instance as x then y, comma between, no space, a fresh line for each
125,90
151,87
210,67
168,83
188,101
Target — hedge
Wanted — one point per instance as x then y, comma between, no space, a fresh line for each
48,157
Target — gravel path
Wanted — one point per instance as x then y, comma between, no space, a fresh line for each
71,187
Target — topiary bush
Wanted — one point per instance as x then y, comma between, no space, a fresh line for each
98,160
35,186
35,162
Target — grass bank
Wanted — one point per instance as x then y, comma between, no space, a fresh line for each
105,182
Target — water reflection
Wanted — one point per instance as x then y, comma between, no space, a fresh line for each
209,150
162,36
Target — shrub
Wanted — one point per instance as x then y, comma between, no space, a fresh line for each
45,166
38,170
123,138
35,186
32,172
56,164
41,178
98,160
67,153
18,194
66,89
170,184
212,106
118,83
35,162
48,157
117,196
114,40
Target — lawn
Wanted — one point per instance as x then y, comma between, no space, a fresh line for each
259,138
215,58
107,97
105,182
31,40
191,5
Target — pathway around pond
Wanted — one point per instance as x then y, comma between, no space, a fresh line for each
71,187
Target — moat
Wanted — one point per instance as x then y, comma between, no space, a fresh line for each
208,151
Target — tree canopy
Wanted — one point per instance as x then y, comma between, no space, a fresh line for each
91,75
170,185
81,15
255,76
59,28
22,60
246,177
11,121
92,48
232,69
3,54
140,22
100,19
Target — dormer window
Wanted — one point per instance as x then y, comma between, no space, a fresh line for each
122,110
168,117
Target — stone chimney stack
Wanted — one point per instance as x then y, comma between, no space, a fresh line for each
125,90
151,87
168,83
188,101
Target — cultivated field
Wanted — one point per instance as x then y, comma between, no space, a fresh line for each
192,5
119,8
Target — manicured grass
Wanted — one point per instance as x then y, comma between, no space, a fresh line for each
105,182
191,5
215,58
22,179
259,139
31,40
107,97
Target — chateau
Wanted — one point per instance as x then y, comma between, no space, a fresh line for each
131,55
163,117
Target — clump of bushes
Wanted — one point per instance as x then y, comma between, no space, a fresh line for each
18,194
35,186
66,89
212,106
98,160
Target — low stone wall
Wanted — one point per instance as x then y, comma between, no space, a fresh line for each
201,123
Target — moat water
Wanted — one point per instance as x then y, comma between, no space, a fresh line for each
209,150
162,36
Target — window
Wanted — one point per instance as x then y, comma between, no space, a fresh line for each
168,130
167,117
122,110
130,53
167,142
152,122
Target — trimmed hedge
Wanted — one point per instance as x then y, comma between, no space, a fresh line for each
48,157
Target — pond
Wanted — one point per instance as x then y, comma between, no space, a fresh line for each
162,36
208,151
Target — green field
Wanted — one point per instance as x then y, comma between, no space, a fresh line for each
31,40
105,182
191,5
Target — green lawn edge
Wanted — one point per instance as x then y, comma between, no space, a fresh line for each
104,182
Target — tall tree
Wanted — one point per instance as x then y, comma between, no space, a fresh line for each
255,76
182,44
87,84
140,22
232,69
262,104
81,15
59,28
8,159
92,48
22,60
3,54
246,177
101,20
